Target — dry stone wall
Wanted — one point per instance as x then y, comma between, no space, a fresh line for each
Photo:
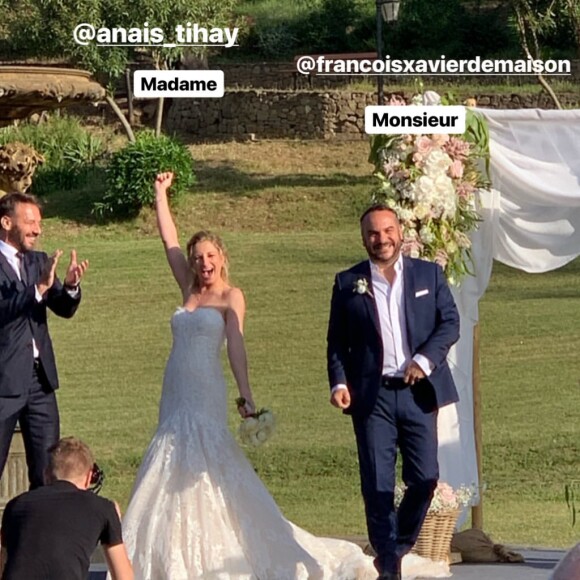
280,75
276,114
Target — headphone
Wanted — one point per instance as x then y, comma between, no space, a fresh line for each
97,479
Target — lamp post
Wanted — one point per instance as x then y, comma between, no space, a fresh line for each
387,10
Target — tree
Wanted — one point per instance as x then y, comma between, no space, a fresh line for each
44,29
536,19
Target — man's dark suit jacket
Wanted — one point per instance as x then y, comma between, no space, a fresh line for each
23,318
355,348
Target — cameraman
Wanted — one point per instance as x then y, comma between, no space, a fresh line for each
51,532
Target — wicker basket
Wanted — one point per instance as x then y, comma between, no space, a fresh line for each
434,541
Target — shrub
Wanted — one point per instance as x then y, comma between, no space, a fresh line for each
132,170
71,153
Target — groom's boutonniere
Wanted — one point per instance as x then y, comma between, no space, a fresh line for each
361,286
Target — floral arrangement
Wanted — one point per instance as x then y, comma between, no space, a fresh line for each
445,497
256,428
433,182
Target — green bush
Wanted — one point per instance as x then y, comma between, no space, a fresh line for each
132,170
71,153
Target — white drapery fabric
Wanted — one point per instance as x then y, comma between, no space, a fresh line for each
531,221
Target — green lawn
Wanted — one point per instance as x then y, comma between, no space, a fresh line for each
288,214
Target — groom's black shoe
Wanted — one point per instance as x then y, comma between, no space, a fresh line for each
386,575
390,576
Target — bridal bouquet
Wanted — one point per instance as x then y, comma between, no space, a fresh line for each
432,182
445,497
257,428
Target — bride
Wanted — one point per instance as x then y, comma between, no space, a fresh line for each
198,509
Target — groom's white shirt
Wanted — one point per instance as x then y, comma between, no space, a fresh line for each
390,301
11,255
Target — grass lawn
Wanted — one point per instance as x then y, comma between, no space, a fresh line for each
288,212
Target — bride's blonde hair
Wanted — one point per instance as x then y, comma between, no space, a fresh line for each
206,236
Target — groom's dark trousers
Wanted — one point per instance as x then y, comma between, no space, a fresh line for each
405,416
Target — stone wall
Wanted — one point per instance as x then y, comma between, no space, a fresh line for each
276,75
271,114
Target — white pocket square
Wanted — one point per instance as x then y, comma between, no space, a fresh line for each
421,293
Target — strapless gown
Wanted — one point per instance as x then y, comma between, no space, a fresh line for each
198,509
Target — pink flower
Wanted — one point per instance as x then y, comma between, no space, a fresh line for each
465,189
389,167
457,148
396,101
418,159
412,247
446,493
441,258
440,139
456,169
401,175
423,146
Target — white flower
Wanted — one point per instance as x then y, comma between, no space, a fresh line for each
361,286
422,211
426,235
444,498
451,247
462,240
258,428
436,163
431,98
405,214
250,424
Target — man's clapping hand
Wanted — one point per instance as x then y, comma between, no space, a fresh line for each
49,273
73,276
75,270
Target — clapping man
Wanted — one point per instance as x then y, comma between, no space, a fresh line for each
28,286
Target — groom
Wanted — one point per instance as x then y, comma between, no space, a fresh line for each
392,322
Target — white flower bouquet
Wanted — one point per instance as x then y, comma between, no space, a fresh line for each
256,428
432,182
445,497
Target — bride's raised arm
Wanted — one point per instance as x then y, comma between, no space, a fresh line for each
168,232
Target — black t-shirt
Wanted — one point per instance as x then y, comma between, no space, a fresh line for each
50,533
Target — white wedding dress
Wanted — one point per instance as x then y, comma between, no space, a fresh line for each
198,509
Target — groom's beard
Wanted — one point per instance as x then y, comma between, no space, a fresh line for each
377,257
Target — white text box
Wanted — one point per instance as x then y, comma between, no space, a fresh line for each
414,119
151,84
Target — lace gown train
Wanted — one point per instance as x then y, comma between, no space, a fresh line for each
198,509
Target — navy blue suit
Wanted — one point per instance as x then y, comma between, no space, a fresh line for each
386,412
27,387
